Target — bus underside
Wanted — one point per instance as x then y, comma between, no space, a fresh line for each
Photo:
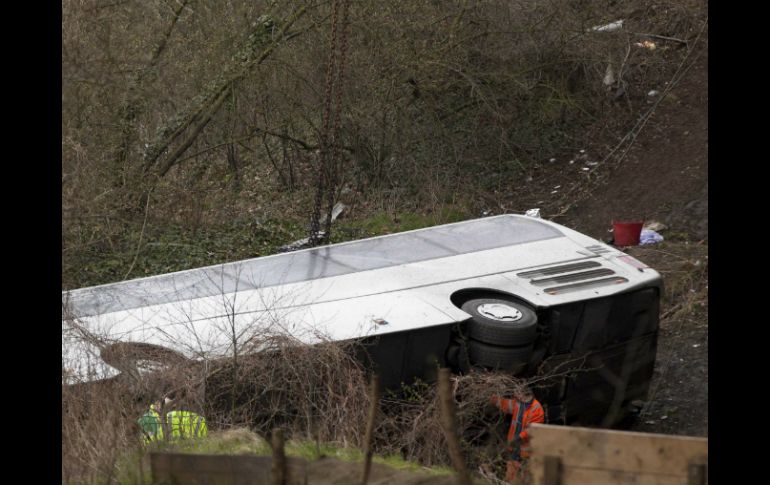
592,358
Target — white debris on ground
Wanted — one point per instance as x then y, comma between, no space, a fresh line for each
533,213
611,27
609,76
647,44
655,226
336,211
649,237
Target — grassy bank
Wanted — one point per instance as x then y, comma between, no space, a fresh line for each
133,467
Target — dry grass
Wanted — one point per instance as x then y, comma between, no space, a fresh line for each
97,432
314,393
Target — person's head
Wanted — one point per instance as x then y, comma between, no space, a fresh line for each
522,393
163,402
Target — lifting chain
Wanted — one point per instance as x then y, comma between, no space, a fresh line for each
329,164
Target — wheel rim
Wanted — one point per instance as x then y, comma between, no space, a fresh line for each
500,312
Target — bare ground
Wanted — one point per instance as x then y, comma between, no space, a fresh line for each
662,177
665,178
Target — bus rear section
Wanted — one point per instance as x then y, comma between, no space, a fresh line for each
590,362
601,353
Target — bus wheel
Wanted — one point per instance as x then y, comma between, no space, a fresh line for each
501,322
513,359
457,356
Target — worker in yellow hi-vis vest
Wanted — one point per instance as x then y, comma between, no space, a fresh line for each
150,424
179,424
184,424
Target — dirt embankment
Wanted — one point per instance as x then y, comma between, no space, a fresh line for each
665,173
664,177
661,176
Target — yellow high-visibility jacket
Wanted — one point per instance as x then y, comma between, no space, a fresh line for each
186,424
151,427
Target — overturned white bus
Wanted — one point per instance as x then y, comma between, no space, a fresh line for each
507,292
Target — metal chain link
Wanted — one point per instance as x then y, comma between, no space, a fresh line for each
323,176
334,162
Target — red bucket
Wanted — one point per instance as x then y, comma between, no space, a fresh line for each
627,233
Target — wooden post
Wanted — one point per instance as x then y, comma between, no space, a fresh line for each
143,459
696,474
374,401
317,438
447,404
279,458
552,470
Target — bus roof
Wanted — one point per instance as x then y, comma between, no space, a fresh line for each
311,264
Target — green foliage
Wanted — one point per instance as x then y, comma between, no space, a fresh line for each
234,441
166,248
415,392
242,441
399,463
381,223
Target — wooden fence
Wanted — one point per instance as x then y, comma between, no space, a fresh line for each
195,469
563,455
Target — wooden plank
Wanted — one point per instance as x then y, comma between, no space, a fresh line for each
584,476
219,463
159,466
697,474
194,469
279,459
552,470
617,450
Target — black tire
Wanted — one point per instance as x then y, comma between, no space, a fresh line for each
512,359
452,358
457,356
501,333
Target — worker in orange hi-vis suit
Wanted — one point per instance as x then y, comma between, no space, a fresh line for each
524,410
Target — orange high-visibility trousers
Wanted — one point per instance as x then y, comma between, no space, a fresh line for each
522,415
517,472
512,471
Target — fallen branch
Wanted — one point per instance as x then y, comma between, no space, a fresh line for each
661,37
